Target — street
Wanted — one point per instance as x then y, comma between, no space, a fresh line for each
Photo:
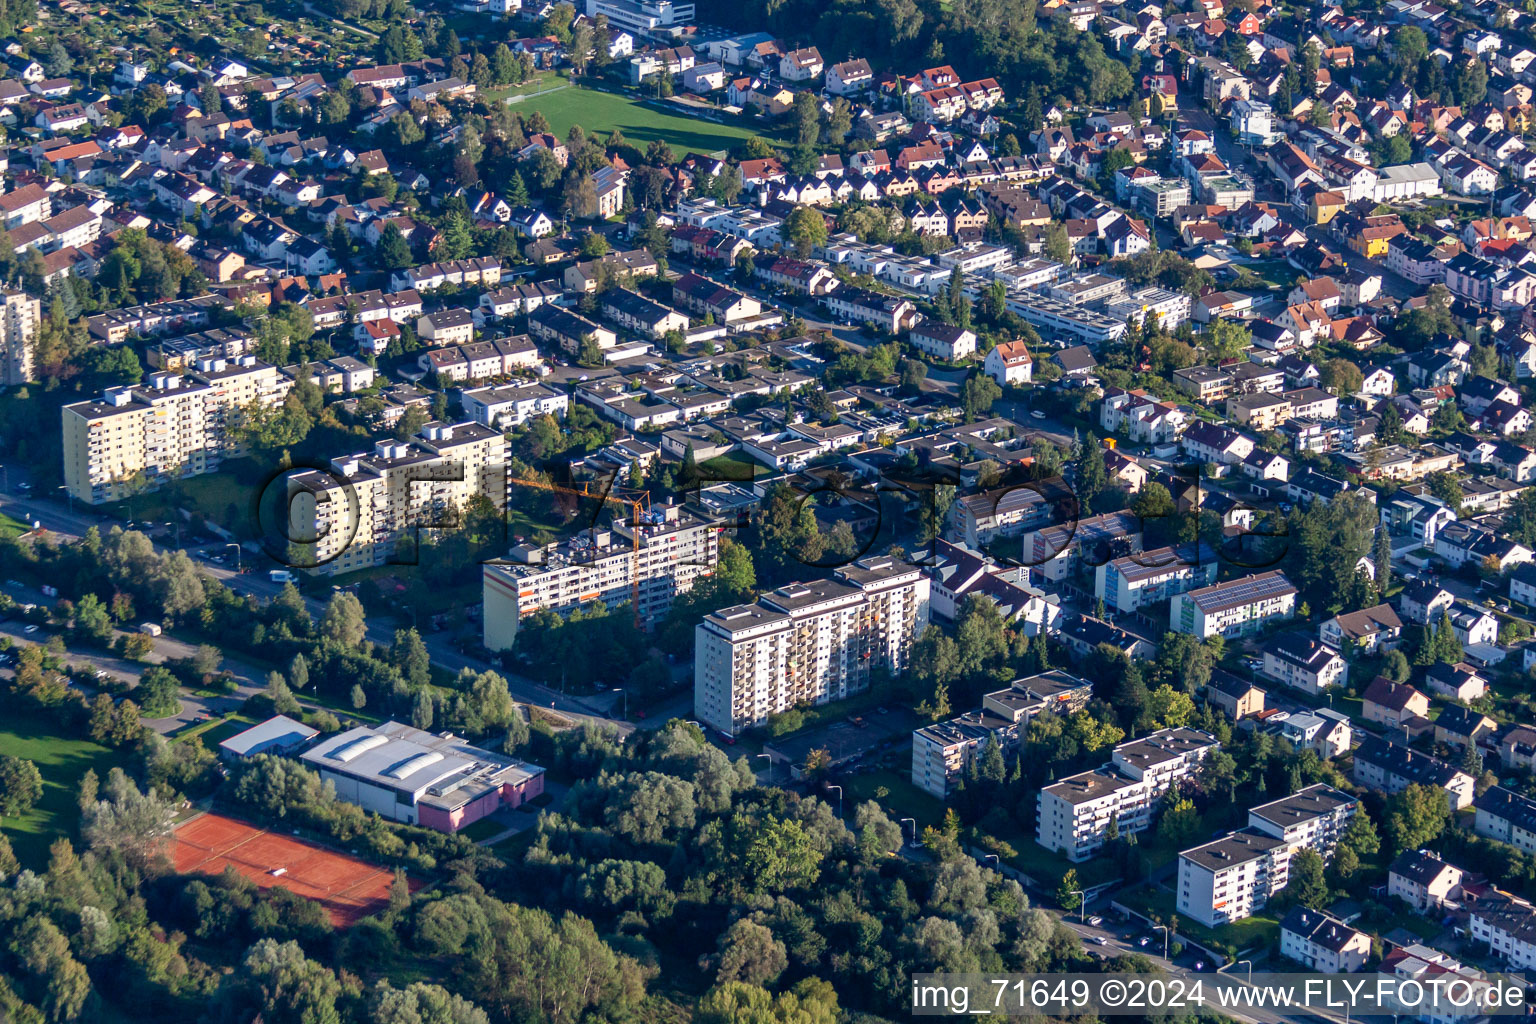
70,525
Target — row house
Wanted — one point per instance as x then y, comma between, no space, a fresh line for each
1391,768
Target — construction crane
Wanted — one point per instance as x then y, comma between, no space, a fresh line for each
639,510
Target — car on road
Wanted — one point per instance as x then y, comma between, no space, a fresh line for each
1101,940
1095,920
1037,414
1143,941
31,628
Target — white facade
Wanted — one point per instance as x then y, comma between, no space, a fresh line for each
807,643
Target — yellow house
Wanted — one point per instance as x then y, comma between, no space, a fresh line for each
1324,206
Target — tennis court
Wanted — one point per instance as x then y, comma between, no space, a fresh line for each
348,888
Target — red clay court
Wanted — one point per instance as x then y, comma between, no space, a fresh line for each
349,888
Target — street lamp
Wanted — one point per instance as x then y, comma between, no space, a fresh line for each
237,554
70,495
839,789
1250,969
770,765
1165,939
620,689
914,829
993,858
1082,905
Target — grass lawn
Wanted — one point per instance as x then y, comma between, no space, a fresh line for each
216,730
543,83
62,760
904,800
733,466
1046,868
602,112
482,829
11,528
513,848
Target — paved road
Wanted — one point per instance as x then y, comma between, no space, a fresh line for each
67,524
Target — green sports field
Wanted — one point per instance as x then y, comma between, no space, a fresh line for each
62,760
642,123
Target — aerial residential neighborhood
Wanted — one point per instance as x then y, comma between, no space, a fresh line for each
589,511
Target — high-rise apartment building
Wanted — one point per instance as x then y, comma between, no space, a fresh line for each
18,336
174,425
807,643
372,505
1074,814
1235,876
671,549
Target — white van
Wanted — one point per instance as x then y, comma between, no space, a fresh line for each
150,628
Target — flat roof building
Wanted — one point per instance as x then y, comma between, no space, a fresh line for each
409,775
277,735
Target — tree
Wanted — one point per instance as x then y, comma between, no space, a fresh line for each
409,655
1308,885
1416,816
805,228
1180,823
1058,247
749,952
977,395
344,621
282,698
1170,708
158,693
422,710
21,785
393,252
1068,894
1381,561
1226,339
1341,376
298,672
92,621
807,118
1410,47
1092,474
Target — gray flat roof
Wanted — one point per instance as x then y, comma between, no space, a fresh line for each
1230,850
277,731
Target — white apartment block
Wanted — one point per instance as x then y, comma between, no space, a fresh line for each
1074,814
941,751
662,558
1234,876
176,425
1230,878
1148,577
372,506
1233,608
18,337
514,405
807,643
1312,818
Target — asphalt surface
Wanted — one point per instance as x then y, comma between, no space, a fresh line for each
69,524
